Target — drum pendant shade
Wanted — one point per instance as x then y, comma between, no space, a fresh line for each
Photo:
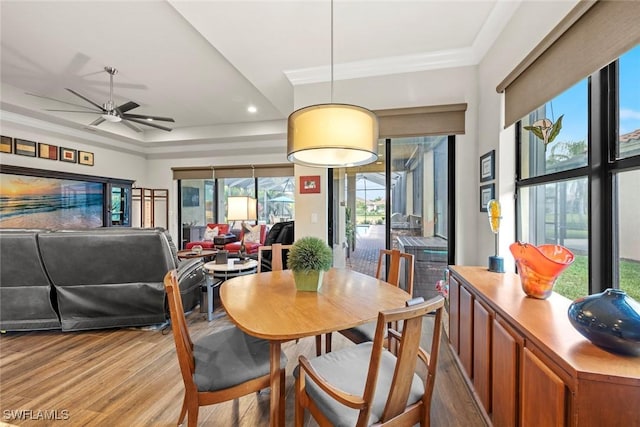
332,135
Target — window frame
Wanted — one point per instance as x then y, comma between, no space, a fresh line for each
600,171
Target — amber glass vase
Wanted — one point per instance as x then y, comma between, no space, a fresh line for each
540,266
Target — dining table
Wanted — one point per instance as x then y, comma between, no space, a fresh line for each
267,305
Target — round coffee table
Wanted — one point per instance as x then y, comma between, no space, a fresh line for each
218,273
188,254
227,271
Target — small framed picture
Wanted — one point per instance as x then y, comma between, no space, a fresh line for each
487,192
85,158
68,155
6,144
24,147
487,166
309,184
48,151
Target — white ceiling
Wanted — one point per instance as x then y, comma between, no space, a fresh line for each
204,62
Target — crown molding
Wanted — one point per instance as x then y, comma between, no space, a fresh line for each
451,58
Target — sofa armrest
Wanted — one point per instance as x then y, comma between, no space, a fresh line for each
186,265
191,278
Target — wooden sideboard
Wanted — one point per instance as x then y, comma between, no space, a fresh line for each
526,364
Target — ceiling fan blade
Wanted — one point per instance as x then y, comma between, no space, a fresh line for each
130,126
148,123
140,116
57,100
85,98
74,111
126,107
97,121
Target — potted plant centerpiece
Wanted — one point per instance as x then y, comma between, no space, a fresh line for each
308,259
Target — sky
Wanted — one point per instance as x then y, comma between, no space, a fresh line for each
573,102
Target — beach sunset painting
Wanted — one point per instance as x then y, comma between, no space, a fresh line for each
37,202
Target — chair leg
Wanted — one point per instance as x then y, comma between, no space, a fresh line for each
282,395
318,345
193,413
183,411
327,343
299,410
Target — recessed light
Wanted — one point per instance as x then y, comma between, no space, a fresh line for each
252,109
150,119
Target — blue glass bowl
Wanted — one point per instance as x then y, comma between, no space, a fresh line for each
610,320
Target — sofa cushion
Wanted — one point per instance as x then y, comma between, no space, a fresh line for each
107,277
210,233
254,236
26,295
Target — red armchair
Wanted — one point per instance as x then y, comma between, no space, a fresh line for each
250,247
208,244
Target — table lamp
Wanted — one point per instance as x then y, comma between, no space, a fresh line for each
242,208
496,263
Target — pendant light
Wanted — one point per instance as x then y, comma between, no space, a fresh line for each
332,135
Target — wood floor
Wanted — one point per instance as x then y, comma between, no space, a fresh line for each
130,377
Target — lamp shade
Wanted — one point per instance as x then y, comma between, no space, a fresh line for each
332,135
241,208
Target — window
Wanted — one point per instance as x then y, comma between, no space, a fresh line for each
204,201
577,175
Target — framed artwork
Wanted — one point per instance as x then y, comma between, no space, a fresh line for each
24,147
309,184
68,155
6,144
487,166
85,158
486,194
47,151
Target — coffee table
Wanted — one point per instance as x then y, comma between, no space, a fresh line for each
189,253
218,273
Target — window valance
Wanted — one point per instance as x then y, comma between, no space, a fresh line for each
592,35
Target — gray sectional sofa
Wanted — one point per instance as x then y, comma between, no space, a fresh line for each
89,279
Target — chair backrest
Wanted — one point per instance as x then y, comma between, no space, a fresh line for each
408,354
184,345
276,256
394,268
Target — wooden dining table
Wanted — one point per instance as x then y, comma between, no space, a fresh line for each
267,305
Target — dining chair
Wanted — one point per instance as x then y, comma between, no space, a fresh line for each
276,263
362,333
224,365
366,384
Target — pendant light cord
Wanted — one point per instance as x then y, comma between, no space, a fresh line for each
331,52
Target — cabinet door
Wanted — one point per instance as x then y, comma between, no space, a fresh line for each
466,331
504,376
543,400
482,354
454,313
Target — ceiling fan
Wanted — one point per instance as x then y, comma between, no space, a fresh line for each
110,112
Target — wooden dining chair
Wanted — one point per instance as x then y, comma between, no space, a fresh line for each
362,333
366,384
276,263
224,365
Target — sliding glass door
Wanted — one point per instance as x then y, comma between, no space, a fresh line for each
402,201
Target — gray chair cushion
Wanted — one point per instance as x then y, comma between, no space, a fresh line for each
347,369
230,357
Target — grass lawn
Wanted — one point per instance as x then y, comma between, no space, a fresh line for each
572,283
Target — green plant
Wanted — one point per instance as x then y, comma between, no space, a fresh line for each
310,254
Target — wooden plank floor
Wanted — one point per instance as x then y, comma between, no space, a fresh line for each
130,377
